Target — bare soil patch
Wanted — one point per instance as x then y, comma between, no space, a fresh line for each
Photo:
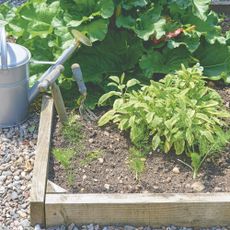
108,170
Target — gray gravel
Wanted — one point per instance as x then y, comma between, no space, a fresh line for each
13,2
17,150
125,227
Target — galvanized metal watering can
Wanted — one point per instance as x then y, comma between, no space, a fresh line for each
15,95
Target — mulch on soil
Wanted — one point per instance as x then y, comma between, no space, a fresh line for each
111,173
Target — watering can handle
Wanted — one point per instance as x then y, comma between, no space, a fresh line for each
3,46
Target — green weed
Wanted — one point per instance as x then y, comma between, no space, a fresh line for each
64,157
137,161
91,156
72,130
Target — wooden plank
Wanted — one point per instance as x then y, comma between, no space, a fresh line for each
59,103
221,2
38,189
54,188
221,6
197,210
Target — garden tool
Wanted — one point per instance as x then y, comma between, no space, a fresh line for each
85,112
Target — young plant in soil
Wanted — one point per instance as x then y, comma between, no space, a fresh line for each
137,161
72,133
179,113
91,156
64,156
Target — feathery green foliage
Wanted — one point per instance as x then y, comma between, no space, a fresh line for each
178,113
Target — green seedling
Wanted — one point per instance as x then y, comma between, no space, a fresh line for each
220,143
64,157
70,177
91,156
72,131
137,161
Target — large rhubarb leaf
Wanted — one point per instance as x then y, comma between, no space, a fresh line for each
148,23
91,16
127,4
119,52
190,40
215,59
200,8
208,28
165,62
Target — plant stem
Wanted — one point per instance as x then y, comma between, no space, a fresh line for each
185,164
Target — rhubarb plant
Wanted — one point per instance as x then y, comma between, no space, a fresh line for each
147,37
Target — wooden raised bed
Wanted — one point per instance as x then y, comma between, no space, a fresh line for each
52,205
221,6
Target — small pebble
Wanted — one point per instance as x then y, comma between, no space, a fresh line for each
107,186
128,227
176,170
218,189
198,186
91,140
72,227
106,133
84,177
101,160
14,196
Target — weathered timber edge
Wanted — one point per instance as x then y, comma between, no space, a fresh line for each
39,181
220,2
52,208
191,210
221,6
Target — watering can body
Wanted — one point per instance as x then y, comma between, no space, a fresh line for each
14,78
15,94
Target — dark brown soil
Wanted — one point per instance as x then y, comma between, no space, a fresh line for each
226,24
111,173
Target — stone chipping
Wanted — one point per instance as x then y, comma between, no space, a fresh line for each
17,151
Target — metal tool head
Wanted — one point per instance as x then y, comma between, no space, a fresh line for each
81,38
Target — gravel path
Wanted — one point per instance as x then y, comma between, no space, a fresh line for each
17,150
13,2
126,227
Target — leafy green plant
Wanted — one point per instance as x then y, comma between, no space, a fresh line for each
137,161
178,113
146,36
176,30
70,177
72,133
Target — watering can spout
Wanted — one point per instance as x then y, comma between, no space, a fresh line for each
34,91
79,39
